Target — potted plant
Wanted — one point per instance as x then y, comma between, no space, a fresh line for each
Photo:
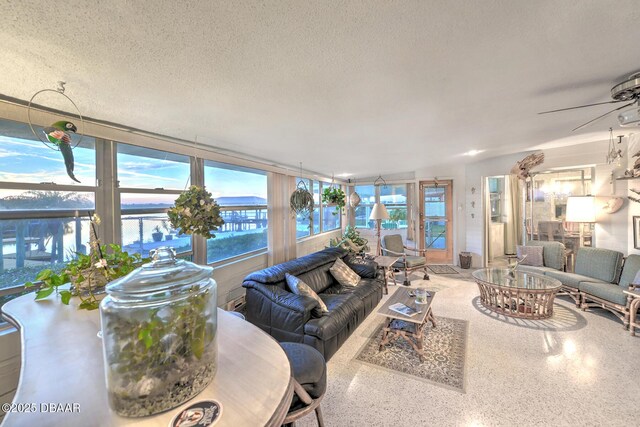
88,275
157,234
334,196
301,201
196,212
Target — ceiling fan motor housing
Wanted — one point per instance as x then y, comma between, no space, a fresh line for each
627,90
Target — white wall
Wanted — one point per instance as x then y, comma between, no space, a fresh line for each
611,231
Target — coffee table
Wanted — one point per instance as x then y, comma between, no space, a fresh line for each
516,293
410,328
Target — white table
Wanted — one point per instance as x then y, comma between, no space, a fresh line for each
62,364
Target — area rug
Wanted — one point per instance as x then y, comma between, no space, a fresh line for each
444,354
442,269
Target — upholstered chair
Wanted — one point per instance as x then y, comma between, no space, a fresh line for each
392,245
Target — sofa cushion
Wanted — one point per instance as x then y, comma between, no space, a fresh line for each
606,291
343,274
298,287
535,270
570,279
365,288
298,267
629,271
343,308
601,264
553,253
530,255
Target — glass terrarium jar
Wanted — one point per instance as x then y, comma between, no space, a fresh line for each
159,335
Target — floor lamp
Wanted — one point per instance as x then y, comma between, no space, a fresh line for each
378,213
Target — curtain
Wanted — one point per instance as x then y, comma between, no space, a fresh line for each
282,225
411,212
513,214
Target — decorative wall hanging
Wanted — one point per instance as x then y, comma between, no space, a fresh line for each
301,200
58,136
613,205
613,154
523,167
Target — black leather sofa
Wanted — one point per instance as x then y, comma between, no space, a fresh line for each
297,318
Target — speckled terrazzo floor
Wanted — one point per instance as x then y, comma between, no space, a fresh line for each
579,368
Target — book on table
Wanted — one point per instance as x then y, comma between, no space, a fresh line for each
404,309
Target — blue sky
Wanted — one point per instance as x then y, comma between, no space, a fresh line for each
25,160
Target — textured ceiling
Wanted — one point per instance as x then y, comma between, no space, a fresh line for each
360,87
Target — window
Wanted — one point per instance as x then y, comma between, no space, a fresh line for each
150,181
394,197
242,196
367,195
325,217
330,216
43,212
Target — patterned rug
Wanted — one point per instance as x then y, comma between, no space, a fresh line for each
444,350
442,269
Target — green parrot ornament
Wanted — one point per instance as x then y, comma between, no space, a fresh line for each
58,135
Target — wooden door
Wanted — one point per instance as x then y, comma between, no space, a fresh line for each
436,220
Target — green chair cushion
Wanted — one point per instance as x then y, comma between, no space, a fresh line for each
606,291
392,242
629,271
570,279
412,261
535,270
601,264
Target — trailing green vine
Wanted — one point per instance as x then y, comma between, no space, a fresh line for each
334,195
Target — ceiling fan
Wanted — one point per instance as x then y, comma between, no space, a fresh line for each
628,90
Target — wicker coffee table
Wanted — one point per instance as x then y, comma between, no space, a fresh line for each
410,328
517,294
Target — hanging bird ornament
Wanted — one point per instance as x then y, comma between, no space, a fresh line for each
58,135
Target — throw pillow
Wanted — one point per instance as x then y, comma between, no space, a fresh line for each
533,253
343,274
298,287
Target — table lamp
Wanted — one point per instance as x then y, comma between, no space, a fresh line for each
378,213
581,209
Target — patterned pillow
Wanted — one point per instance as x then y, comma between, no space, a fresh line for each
298,287
343,274
534,255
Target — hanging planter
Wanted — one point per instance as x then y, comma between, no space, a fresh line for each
354,199
334,195
301,201
196,212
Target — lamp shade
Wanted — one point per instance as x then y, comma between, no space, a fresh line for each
379,211
581,209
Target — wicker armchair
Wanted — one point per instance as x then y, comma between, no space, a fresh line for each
392,246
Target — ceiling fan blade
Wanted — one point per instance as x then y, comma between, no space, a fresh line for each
581,106
605,114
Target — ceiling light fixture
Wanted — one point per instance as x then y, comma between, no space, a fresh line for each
613,154
473,152
630,117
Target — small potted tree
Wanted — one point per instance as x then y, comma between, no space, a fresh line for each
157,234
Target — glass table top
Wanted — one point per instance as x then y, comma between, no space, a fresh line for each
519,279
